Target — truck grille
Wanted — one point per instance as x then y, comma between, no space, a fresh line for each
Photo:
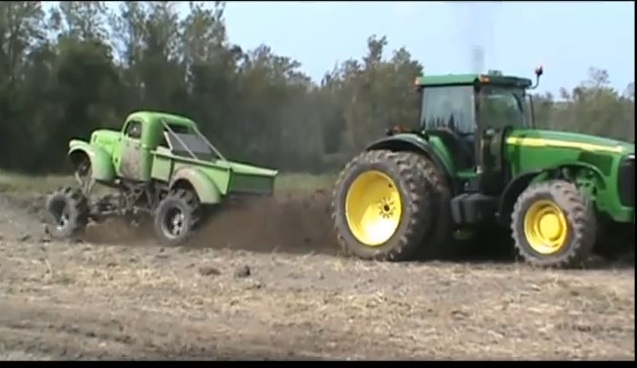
626,181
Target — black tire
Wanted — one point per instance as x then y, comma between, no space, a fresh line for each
405,169
67,213
176,216
440,243
580,220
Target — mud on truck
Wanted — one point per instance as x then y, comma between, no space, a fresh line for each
160,165
475,161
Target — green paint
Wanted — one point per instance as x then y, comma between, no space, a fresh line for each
101,161
469,79
211,179
495,101
597,158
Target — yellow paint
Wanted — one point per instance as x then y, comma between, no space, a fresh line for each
545,227
542,142
373,208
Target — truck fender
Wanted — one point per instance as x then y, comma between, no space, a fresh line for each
419,145
204,187
101,161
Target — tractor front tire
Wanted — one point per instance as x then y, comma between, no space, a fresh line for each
67,213
382,206
554,225
176,216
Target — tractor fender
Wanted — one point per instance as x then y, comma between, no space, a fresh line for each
520,182
512,191
204,187
101,161
412,143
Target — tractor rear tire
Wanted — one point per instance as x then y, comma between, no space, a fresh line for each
559,206
67,213
381,189
440,243
176,217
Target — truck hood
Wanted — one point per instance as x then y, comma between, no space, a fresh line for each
551,138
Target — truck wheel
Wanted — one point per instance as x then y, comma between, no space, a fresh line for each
67,213
175,217
553,225
382,206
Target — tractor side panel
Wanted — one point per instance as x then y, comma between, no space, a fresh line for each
101,161
601,170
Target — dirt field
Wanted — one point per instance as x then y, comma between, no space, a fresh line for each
264,282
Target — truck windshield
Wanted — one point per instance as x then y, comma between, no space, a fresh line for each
499,107
448,107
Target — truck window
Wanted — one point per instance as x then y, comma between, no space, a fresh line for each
133,129
178,129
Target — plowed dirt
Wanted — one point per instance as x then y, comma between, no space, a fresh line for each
263,281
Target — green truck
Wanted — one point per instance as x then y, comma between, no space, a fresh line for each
477,162
159,164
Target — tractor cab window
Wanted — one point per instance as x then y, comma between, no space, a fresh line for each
499,107
448,107
133,129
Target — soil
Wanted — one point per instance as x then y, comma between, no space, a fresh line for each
263,280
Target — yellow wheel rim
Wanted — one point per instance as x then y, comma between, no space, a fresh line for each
373,208
545,227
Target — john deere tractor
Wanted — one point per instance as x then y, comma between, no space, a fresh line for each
476,162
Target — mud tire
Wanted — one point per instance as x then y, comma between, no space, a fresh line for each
406,170
184,202
580,217
440,243
67,213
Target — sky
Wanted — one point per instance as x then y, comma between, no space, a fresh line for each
565,37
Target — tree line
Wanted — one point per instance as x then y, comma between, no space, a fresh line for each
70,68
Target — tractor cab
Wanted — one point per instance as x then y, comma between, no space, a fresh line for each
470,114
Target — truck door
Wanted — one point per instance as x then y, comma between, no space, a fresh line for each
130,165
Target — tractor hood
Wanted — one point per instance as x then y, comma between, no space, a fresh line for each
555,139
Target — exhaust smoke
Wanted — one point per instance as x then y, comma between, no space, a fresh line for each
477,20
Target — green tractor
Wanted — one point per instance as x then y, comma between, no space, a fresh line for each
160,165
475,164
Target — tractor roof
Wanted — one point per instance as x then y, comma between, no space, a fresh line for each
465,79
152,117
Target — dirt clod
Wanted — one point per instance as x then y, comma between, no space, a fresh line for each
242,272
209,271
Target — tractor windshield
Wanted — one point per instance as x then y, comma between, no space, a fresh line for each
500,106
448,107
